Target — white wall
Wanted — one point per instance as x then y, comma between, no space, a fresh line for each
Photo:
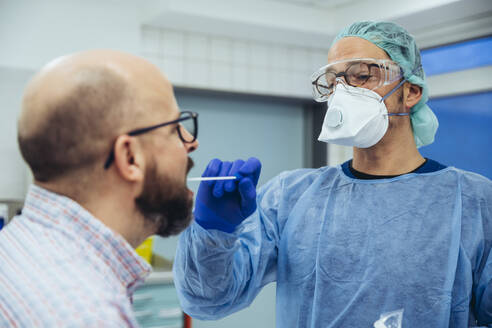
34,32
13,171
208,61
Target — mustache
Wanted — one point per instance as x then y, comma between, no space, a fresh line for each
191,164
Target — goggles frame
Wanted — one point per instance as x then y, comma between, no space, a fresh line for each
388,72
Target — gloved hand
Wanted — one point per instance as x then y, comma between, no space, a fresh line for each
224,204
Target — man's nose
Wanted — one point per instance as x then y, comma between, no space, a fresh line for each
190,146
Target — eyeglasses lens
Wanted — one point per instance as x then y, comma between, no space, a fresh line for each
357,74
189,125
364,75
326,83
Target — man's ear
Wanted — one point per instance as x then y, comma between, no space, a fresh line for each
129,158
412,94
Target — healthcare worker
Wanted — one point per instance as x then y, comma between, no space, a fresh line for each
387,239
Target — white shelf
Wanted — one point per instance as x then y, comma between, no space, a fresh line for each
159,277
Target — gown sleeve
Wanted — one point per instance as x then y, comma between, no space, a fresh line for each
482,285
483,291
218,273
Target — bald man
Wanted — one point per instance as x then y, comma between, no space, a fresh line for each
106,143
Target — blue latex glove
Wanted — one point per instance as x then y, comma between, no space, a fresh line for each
224,204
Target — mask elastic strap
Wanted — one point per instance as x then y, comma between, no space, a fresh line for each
398,114
393,90
396,88
390,93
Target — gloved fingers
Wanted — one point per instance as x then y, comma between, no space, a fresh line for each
212,170
230,185
247,190
219,185
252,169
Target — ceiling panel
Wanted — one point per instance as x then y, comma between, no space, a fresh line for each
322,4
315,23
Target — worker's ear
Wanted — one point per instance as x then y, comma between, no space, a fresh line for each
412,94
129,158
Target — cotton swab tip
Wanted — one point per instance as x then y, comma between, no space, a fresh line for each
212,178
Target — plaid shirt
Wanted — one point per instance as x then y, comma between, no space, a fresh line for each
61,267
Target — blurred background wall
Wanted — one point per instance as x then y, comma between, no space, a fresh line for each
245,66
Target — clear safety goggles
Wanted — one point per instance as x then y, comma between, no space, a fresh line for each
368,73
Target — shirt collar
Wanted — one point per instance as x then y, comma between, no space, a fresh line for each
59,211
427,167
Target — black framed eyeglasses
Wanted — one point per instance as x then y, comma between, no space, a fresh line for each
187,120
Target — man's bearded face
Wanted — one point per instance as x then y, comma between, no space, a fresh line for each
164,202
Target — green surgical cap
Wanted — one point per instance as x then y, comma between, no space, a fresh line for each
403,50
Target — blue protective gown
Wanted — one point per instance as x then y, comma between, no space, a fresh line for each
344,251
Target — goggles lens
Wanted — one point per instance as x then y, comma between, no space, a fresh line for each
365,73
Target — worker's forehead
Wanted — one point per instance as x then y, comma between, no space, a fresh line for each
355,47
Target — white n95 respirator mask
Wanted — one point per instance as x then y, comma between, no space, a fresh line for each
355,117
